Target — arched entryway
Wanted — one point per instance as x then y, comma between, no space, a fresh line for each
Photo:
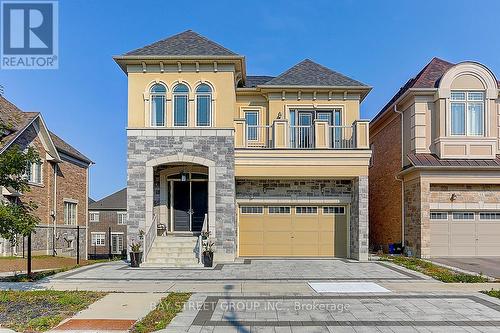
183,203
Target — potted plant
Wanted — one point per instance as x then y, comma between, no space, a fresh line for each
208,253
135,254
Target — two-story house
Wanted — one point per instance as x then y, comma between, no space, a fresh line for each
58,185
271,166
107,231
435,174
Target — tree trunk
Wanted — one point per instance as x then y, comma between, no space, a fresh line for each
29,255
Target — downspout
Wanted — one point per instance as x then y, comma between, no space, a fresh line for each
54,211
401,180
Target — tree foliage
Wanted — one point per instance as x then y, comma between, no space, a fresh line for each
16,217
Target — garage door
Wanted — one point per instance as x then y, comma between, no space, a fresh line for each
465,233
293,231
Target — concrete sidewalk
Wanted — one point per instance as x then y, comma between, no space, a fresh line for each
115,312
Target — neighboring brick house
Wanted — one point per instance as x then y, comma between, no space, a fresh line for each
271,166
109,212
435,173
59,184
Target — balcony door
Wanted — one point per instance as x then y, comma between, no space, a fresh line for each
303,134
305,129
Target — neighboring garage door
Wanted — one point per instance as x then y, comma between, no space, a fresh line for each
293,231
465,233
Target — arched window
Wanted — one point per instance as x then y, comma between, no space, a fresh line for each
203,105
157,101
181,98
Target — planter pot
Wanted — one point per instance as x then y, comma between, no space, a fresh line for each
135,259
208,259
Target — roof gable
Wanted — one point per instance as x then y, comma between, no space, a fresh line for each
65,148
187,43
309,73
115,201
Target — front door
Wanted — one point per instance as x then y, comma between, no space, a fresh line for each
181,206
199,204
116,243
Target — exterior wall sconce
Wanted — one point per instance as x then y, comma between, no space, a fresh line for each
453,197
184,176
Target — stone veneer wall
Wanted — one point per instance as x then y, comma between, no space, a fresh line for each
359,219
476,196
215,145
297,188
416,227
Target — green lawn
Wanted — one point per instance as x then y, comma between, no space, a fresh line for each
38,311
164,312
492,293
435,271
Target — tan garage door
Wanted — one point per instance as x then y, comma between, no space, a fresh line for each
465,233
293,231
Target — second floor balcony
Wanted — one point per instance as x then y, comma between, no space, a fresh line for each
319,135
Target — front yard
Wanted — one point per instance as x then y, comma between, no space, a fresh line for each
435,271
38,311
48,264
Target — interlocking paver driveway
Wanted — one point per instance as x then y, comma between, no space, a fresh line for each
254,270
342,313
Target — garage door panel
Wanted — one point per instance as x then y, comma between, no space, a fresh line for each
306,237
251,225
326,238
277,250
272,224
252,237
305,250
463,250
251,250
326,250
279,237
301,224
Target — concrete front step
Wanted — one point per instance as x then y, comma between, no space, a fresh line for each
175,250
161,265
173,261
172,239
156,255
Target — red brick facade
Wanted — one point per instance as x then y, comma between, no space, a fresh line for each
385,215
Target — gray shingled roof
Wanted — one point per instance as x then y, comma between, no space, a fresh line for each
64,147
187,43
115,201
257,80
309,73
430,160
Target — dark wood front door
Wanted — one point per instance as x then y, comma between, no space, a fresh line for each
199,204
181,206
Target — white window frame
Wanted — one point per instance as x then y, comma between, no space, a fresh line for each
211,105
462,219
123,215
279,210
68,220
94,242
95,214
335,207
162,95
466,103
120,235
180,94
439,219
30,173
257,139
313,208
261,208
496,217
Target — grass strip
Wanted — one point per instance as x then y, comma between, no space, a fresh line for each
437,272
163,314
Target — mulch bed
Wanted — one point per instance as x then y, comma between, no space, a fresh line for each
15,264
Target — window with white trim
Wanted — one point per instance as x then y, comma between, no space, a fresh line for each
181,105
467,113
439,216
98,238
203,105
121,217
252,125
279,210
34,173
489,216
70,211
336,210
306,210
93,216
157,103
463,216
252,210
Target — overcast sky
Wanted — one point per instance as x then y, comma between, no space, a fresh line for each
380,43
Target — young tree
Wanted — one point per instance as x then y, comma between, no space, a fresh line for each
16,216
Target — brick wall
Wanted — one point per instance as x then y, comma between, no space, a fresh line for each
107,219
384,188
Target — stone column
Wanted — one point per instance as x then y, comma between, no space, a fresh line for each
359,219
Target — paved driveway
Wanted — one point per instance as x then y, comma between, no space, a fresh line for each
251,270
341,313
486,265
